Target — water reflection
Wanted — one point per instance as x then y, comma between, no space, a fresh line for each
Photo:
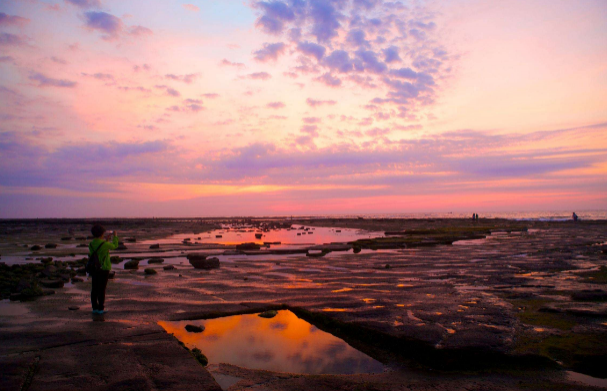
286,237
284,343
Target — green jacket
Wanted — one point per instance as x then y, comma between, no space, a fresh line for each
104,251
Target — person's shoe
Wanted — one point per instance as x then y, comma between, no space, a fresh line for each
101,312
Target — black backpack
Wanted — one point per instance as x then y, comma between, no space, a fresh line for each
94,265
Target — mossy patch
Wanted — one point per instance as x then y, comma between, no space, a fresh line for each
530,314
596,277
201,358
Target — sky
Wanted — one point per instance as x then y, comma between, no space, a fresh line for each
140,108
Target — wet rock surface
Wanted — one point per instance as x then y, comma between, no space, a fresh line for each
508,294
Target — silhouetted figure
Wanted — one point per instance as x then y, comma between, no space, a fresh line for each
574,217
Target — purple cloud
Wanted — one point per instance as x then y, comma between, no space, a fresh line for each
339,61
325,20
210,95
259,76
85,3
103,22
270,51
357,38
391,55
370,61
12,20
225,62
275,14
315,103
329,80
45,81
188,79
99,76
312,49
275,105
8,39
139,31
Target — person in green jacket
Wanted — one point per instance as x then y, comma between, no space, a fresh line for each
102,247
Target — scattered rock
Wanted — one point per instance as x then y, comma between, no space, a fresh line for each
132,264
130,240
248,246
268,314
116,259
52,283
169,267
154,246
81,238
194,329
81,245
77,279
49,270
200,261
46,260
155,260
50,245
594,295
112,275
149,271
35,247
121,246
357,249
74,308
66,238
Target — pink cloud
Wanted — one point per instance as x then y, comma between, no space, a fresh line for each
191,7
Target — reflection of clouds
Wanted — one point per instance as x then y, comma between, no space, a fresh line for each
265,356
278,326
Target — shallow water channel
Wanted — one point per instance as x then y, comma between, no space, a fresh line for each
284,343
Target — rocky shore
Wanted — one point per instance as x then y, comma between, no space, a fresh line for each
444,304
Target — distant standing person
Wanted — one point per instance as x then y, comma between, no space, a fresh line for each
102,247
574,217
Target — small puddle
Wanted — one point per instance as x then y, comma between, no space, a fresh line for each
12,308
284,343
585,379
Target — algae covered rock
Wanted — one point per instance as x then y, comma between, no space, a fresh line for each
169,267
115,259
50,245
150,271
201,358
268,314
155,260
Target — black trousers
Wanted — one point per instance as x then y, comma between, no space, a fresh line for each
98,290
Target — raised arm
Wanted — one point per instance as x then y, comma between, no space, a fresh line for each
113,245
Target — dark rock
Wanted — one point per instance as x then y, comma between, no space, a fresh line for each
50,245
194,329
121,246
130,240
81,238
155,260
52,283
35,247
268,314
66,238
200,261
169,267
81,271
77,279
46,260
596,295
248,246
112,275
49,270
116,259
154,246
23,284
73,308
357,249
149,271
81,245
132,264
